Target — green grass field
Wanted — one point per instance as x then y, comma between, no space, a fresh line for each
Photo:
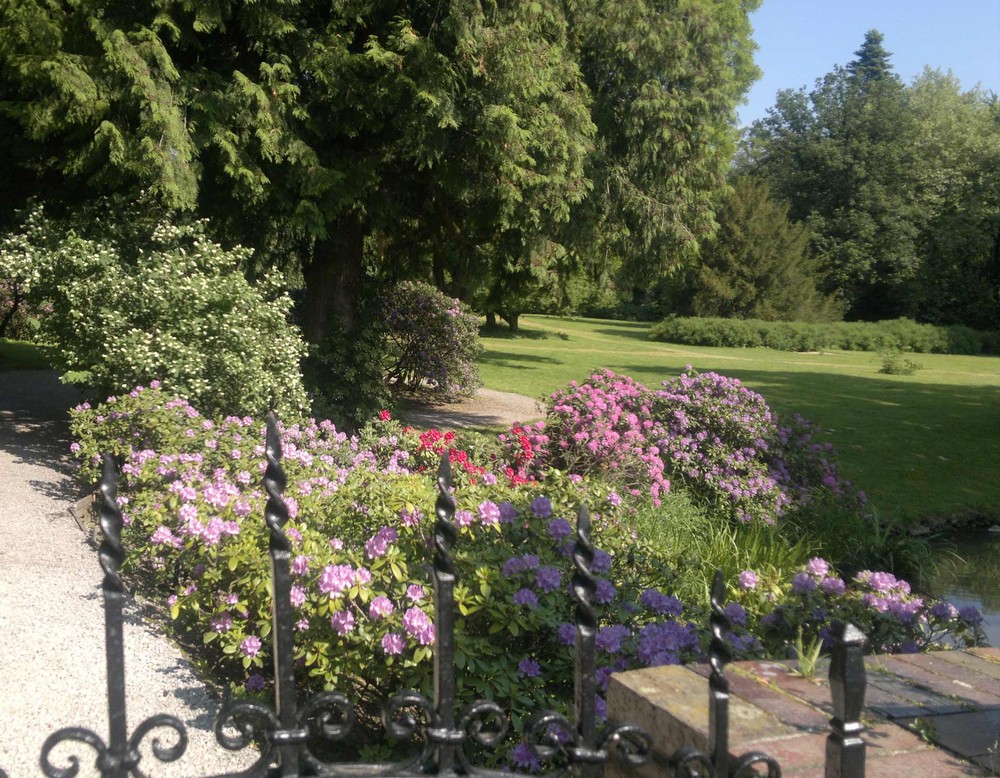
920,445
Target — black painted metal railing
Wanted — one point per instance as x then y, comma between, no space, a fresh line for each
283,734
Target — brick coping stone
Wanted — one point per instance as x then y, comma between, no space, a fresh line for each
935,714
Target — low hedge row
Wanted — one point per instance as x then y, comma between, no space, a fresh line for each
903,334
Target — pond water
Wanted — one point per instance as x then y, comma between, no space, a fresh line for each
974,579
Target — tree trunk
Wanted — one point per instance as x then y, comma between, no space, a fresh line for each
491,320
333,282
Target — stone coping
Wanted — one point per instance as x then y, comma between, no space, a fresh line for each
935,714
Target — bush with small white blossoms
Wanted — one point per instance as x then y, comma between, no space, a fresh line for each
179,310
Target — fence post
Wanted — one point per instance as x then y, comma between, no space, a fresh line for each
845,750
290,736
718,698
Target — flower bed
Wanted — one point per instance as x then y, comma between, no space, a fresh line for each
360,521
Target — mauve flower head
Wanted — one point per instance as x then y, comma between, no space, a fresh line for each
541,506
393,643
803,582
559,529
463,518
548,578
418,624
970,615
529,668
817,567
300,565
507,512
567,634
297,595
736,614
748,579
250,646
833,585
489,512
526,597
604,592
255,683
221,622
609,639
602,561
342,622
944,610
410,518
660,603
415,593
336,579
522,756
380,607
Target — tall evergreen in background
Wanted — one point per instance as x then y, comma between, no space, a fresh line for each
358,141
897,184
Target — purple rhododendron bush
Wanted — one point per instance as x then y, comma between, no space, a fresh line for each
361,515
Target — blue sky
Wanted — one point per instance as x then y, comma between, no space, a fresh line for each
801,40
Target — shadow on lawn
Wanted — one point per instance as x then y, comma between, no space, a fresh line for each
510,359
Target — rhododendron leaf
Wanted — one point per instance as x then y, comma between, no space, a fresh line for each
209,637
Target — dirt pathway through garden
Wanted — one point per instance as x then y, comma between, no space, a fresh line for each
51,611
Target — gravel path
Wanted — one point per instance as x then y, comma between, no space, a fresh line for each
51,611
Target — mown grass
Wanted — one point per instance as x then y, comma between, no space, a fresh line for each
21,355
920,445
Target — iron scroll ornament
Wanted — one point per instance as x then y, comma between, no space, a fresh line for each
121,755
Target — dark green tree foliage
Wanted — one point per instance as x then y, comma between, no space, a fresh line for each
898,185
666,78
843,157
958,139
758,265
365,141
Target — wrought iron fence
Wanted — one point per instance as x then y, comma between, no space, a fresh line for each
285,734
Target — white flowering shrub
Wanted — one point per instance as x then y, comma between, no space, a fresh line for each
180,311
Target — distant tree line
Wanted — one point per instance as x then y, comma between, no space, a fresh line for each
887,197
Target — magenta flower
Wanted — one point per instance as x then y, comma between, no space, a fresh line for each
418,624
817,567
415,593
335,579
221,622
489,512
342,622
380,607
250,646
393,643
748,579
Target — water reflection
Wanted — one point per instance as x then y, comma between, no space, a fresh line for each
974,579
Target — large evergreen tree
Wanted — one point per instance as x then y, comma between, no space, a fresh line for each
364,139
842,156
758,264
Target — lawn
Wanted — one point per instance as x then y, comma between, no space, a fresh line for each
920,445
20,355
